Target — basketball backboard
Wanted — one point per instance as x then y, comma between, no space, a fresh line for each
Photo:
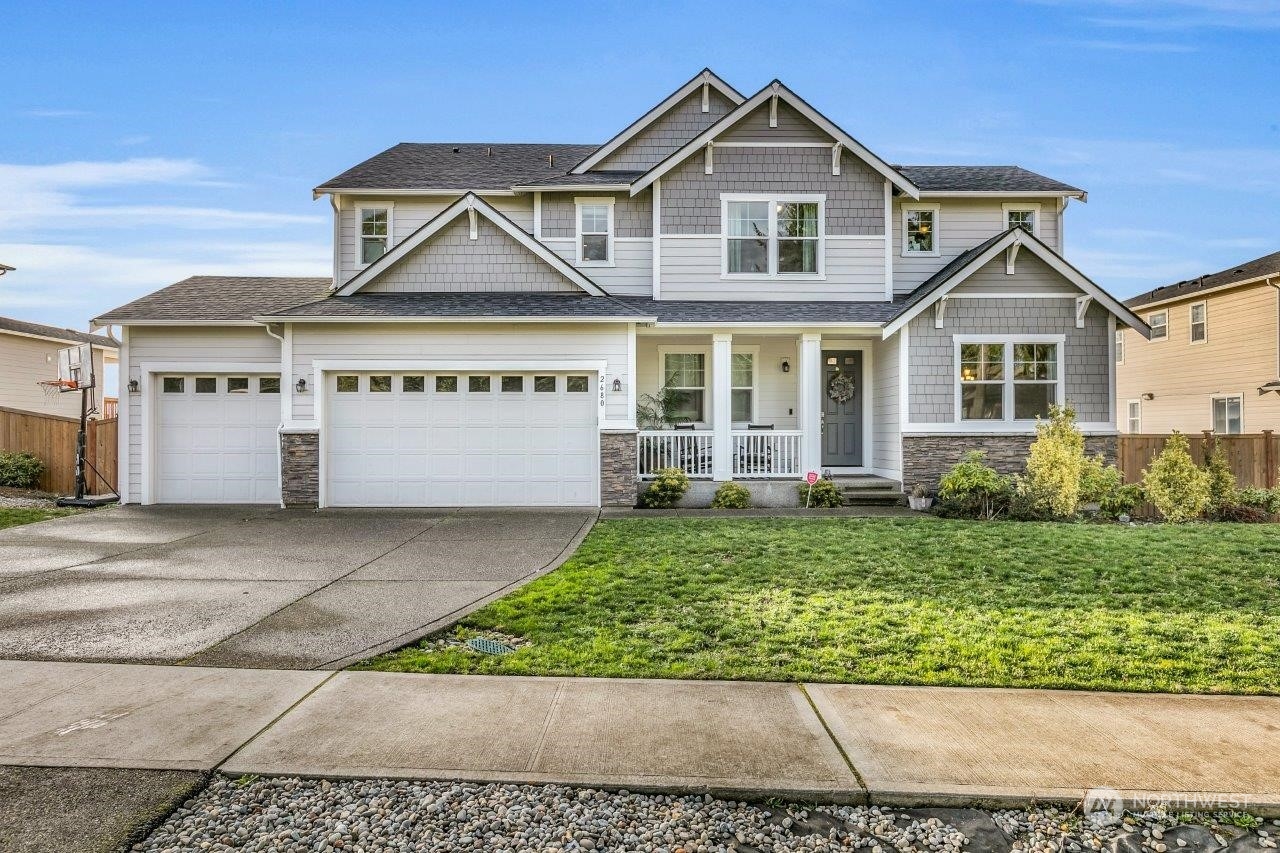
75,367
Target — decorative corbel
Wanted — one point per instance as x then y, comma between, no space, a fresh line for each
1082,308
773,107
471,220
708,166
836,151
706,93
1011,257
939,312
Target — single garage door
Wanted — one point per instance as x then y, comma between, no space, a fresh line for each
459,439
216,439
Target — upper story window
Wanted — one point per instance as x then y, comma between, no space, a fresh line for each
920,229
1159,323
1002,379
595,231
1119,346
375,233
780,236
1022,215
1199,322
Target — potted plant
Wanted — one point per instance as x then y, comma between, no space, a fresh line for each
919,498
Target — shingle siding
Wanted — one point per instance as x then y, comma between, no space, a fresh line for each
632,217
451,262
681,123
792,127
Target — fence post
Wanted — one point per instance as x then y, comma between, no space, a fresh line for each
1268,461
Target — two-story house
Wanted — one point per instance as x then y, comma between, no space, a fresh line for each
498,312
1213,358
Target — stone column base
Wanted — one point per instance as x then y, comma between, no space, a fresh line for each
925,458
300,469
618,478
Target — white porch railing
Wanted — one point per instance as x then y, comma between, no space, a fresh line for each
765,453
754,453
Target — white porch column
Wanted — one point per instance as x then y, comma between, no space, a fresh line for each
721,406
808,382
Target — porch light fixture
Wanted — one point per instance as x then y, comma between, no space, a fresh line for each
301,385
617,384
786,366
133,386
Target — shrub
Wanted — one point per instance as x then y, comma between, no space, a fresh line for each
731,496
1178,488
20,470
1222,483
1055,465
1267,500
1242,513
972,489
1098,481
824,494
668,487
1123,501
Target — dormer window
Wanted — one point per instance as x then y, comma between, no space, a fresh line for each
375,233
780,236
595,231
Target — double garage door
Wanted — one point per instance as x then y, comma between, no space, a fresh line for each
460,439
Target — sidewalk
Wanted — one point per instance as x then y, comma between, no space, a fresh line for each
844,743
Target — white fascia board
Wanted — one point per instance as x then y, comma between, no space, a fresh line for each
374,191
123,323
1080,194
706,76
797,103
470,201
355,318
558,188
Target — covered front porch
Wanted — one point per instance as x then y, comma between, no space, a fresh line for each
731,406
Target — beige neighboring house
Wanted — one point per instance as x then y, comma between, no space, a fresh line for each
29,353
1213,361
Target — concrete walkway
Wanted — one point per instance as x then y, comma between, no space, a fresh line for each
887,745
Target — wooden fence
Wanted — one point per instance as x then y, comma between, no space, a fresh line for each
1253,457
53,439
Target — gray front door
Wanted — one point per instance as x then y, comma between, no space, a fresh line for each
842,407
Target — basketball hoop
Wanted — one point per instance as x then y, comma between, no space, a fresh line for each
54,387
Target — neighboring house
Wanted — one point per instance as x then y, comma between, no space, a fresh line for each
498,311
29,353
1213,360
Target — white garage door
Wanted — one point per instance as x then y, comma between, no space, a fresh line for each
216,439
446,439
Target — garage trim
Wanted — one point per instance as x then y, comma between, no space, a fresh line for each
437,365
149,370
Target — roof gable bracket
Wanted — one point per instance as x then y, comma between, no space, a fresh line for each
1082,308
940,311
836,151
473,226
708,165
706,93
1011,258
773,107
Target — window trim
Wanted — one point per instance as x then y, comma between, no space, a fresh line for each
390,208
1129,419
773,200
1191,323
707,379
1154,339
1213,402
578,203
1009,342
1017,207
937,229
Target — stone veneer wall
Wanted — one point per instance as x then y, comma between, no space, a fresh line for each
300,468
925,458
618,469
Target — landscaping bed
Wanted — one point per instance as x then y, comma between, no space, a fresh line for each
1185,608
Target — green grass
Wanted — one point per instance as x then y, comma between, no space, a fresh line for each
1192,608
14,516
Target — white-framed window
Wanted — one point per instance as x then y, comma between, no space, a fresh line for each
1198,317
375,224
1119,346
1013,378
1135,417
685,375
1023,215
1159,323
1228,414
594,231
743,381
920,234
778,236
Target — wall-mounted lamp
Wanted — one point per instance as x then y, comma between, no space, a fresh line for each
1148,396
617,384
301,385
133,386
786,366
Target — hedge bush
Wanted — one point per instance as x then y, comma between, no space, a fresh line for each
731,496
20,470
667,488
825,493
972,489
1055,466
1175,484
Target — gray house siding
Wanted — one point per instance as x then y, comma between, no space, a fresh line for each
451,262
632,217
691,198
792,127
657,141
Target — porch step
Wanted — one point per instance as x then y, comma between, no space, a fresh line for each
869,490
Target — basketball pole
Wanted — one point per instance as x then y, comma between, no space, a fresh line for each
82,459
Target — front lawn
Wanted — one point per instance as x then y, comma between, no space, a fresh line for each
1193,608
12,516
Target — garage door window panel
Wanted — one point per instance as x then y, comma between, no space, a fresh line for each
380,384
173,385
479,384
544,384
513,384
348,384
413,384
269,385
446,384
206,385
237,384
578,384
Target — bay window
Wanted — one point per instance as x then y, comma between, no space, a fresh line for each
1008,379
780,236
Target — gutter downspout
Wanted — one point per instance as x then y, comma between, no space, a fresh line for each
286,396
1277,287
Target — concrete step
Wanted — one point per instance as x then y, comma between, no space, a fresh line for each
868,490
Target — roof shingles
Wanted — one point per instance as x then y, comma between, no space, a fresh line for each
22,327
214,297
1267,265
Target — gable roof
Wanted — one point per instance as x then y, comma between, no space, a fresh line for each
216,299
777,89
421,166
986,179
704,77
967,263
1259,268
39,330
467,203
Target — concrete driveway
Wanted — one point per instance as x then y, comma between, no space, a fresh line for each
259,586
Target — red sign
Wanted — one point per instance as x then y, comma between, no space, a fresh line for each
811,477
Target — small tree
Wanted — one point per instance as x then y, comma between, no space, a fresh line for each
1174,483
1223,494
972,489
1055,464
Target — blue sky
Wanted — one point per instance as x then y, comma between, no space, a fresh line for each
143,143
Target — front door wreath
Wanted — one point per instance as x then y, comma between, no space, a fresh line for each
841,388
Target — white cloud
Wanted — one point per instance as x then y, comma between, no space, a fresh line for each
1133,46
1171,15
47,112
